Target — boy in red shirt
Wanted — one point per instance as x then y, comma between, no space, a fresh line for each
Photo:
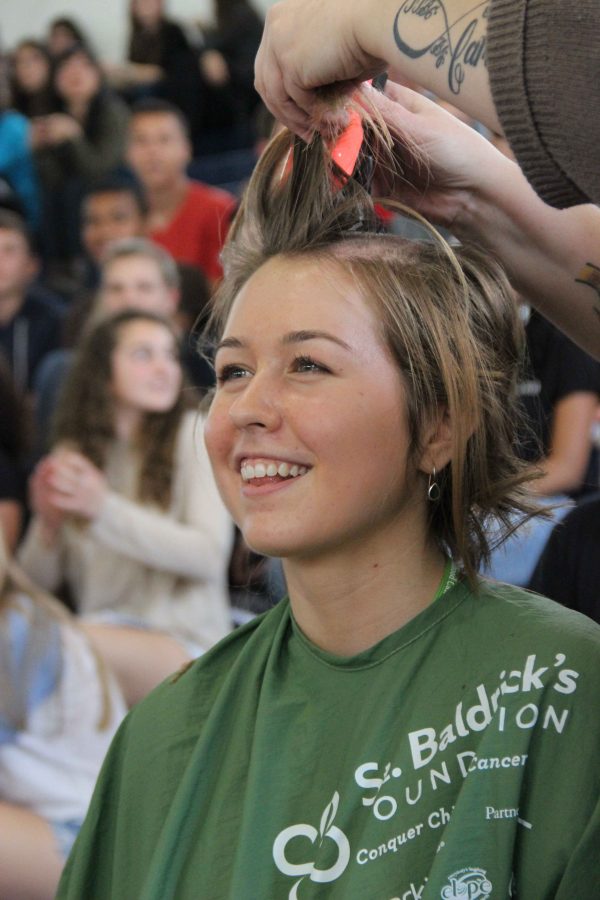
187,218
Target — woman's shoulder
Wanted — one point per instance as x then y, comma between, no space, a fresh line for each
523,614
223,678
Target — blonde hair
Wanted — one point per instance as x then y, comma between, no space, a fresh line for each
44,612
448,316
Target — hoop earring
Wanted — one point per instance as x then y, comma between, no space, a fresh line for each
433,489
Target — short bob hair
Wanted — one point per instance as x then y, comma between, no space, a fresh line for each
449,318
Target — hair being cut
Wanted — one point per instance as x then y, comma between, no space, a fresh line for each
448,317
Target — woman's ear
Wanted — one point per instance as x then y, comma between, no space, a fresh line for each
436,446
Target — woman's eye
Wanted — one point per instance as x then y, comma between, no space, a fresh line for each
306,364
231,373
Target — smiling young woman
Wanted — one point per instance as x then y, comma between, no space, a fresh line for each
391,729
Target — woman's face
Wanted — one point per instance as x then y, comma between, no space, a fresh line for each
78,79
32,69
146,374
148,12
308,431
61,38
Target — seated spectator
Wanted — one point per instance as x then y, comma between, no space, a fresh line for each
227,58
136,274
32,90
126,509
560,394
113,209
73,147
569,568
63,34
59,710
30,321
14,444
16,162
559,391
160,60
187,218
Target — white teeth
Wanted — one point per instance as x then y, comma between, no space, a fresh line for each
270,469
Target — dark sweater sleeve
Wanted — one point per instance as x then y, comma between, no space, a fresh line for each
543,58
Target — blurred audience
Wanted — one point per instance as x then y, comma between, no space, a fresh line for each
15,437
126,509
112,209
560,391
187,218
63,34
82,142
19,188
59,709
227,58
32,88
161,62
569,568
30,319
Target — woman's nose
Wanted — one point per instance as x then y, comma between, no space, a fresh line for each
256,405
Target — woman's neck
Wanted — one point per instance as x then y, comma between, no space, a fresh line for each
352,599
127,422
78,109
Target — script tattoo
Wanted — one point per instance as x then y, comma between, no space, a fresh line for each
459,43
590,276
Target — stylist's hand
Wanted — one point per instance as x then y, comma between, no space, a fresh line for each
449,161
77,486
307,44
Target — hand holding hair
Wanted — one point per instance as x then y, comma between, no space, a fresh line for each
453,176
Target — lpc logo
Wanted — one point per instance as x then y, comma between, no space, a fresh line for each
327,833
467,884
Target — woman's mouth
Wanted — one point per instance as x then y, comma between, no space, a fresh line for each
264,471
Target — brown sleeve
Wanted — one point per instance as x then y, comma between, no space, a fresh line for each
544,66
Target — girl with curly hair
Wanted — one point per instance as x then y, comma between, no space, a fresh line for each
126,508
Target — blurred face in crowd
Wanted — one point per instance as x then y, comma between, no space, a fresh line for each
147,12
108,217
136,282
146,374
60,39
158,150
17,265
78,79
32,69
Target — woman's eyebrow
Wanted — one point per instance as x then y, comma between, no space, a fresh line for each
232,342
293,337
296,337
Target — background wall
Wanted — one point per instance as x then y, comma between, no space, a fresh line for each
104,20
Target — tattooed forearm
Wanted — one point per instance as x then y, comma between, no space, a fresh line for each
459,43
590,276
